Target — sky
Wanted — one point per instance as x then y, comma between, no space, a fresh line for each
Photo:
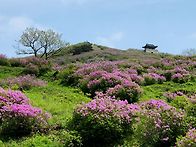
123,24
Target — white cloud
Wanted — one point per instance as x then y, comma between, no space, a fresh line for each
111,39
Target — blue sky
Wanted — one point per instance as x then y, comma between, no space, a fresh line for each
170,24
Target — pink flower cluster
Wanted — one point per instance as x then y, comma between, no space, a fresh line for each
106,107
92,67
23,110
162,121
8,97
16,112
116,83
155,104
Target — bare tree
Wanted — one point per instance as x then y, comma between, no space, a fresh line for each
51,42
40,42
189,52
30,39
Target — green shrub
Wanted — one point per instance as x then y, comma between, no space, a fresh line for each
4,61
67,76
180,102
70,139
80,48
31,69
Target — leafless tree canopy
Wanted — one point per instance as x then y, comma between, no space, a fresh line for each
190,52
40,42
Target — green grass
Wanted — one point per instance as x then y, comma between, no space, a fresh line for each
58,100
156,91
6,72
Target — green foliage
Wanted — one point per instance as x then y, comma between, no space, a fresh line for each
180,102
67,76
4,62
70,139
31,69
80,48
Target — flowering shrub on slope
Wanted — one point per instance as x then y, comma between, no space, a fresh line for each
117,84
104,120
23,82
189,140
129,91
159,124
152,78
17,116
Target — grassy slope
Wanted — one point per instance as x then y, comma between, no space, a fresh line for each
60,101
105,53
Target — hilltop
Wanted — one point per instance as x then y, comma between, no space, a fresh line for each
104,53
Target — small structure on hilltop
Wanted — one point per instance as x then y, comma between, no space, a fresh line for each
150,48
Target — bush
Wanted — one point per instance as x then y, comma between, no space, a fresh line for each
4,61
104,121
35,65
80,48
23,82
187,141
129,91
18,117
180,102
68,76
31,69
159,124
152,78
180,78
21,119
70,139
18,62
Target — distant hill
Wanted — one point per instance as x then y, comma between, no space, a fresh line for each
102,53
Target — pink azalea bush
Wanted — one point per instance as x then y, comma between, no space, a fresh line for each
117,83
23,82
129,91
180,78
159,123
189,140
152,78
177,74
17,116
104,120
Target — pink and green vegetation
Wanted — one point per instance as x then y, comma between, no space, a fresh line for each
23,82
159,124
189,140
126,105
104,120
18,117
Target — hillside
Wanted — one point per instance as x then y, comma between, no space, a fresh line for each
103,97
102,53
